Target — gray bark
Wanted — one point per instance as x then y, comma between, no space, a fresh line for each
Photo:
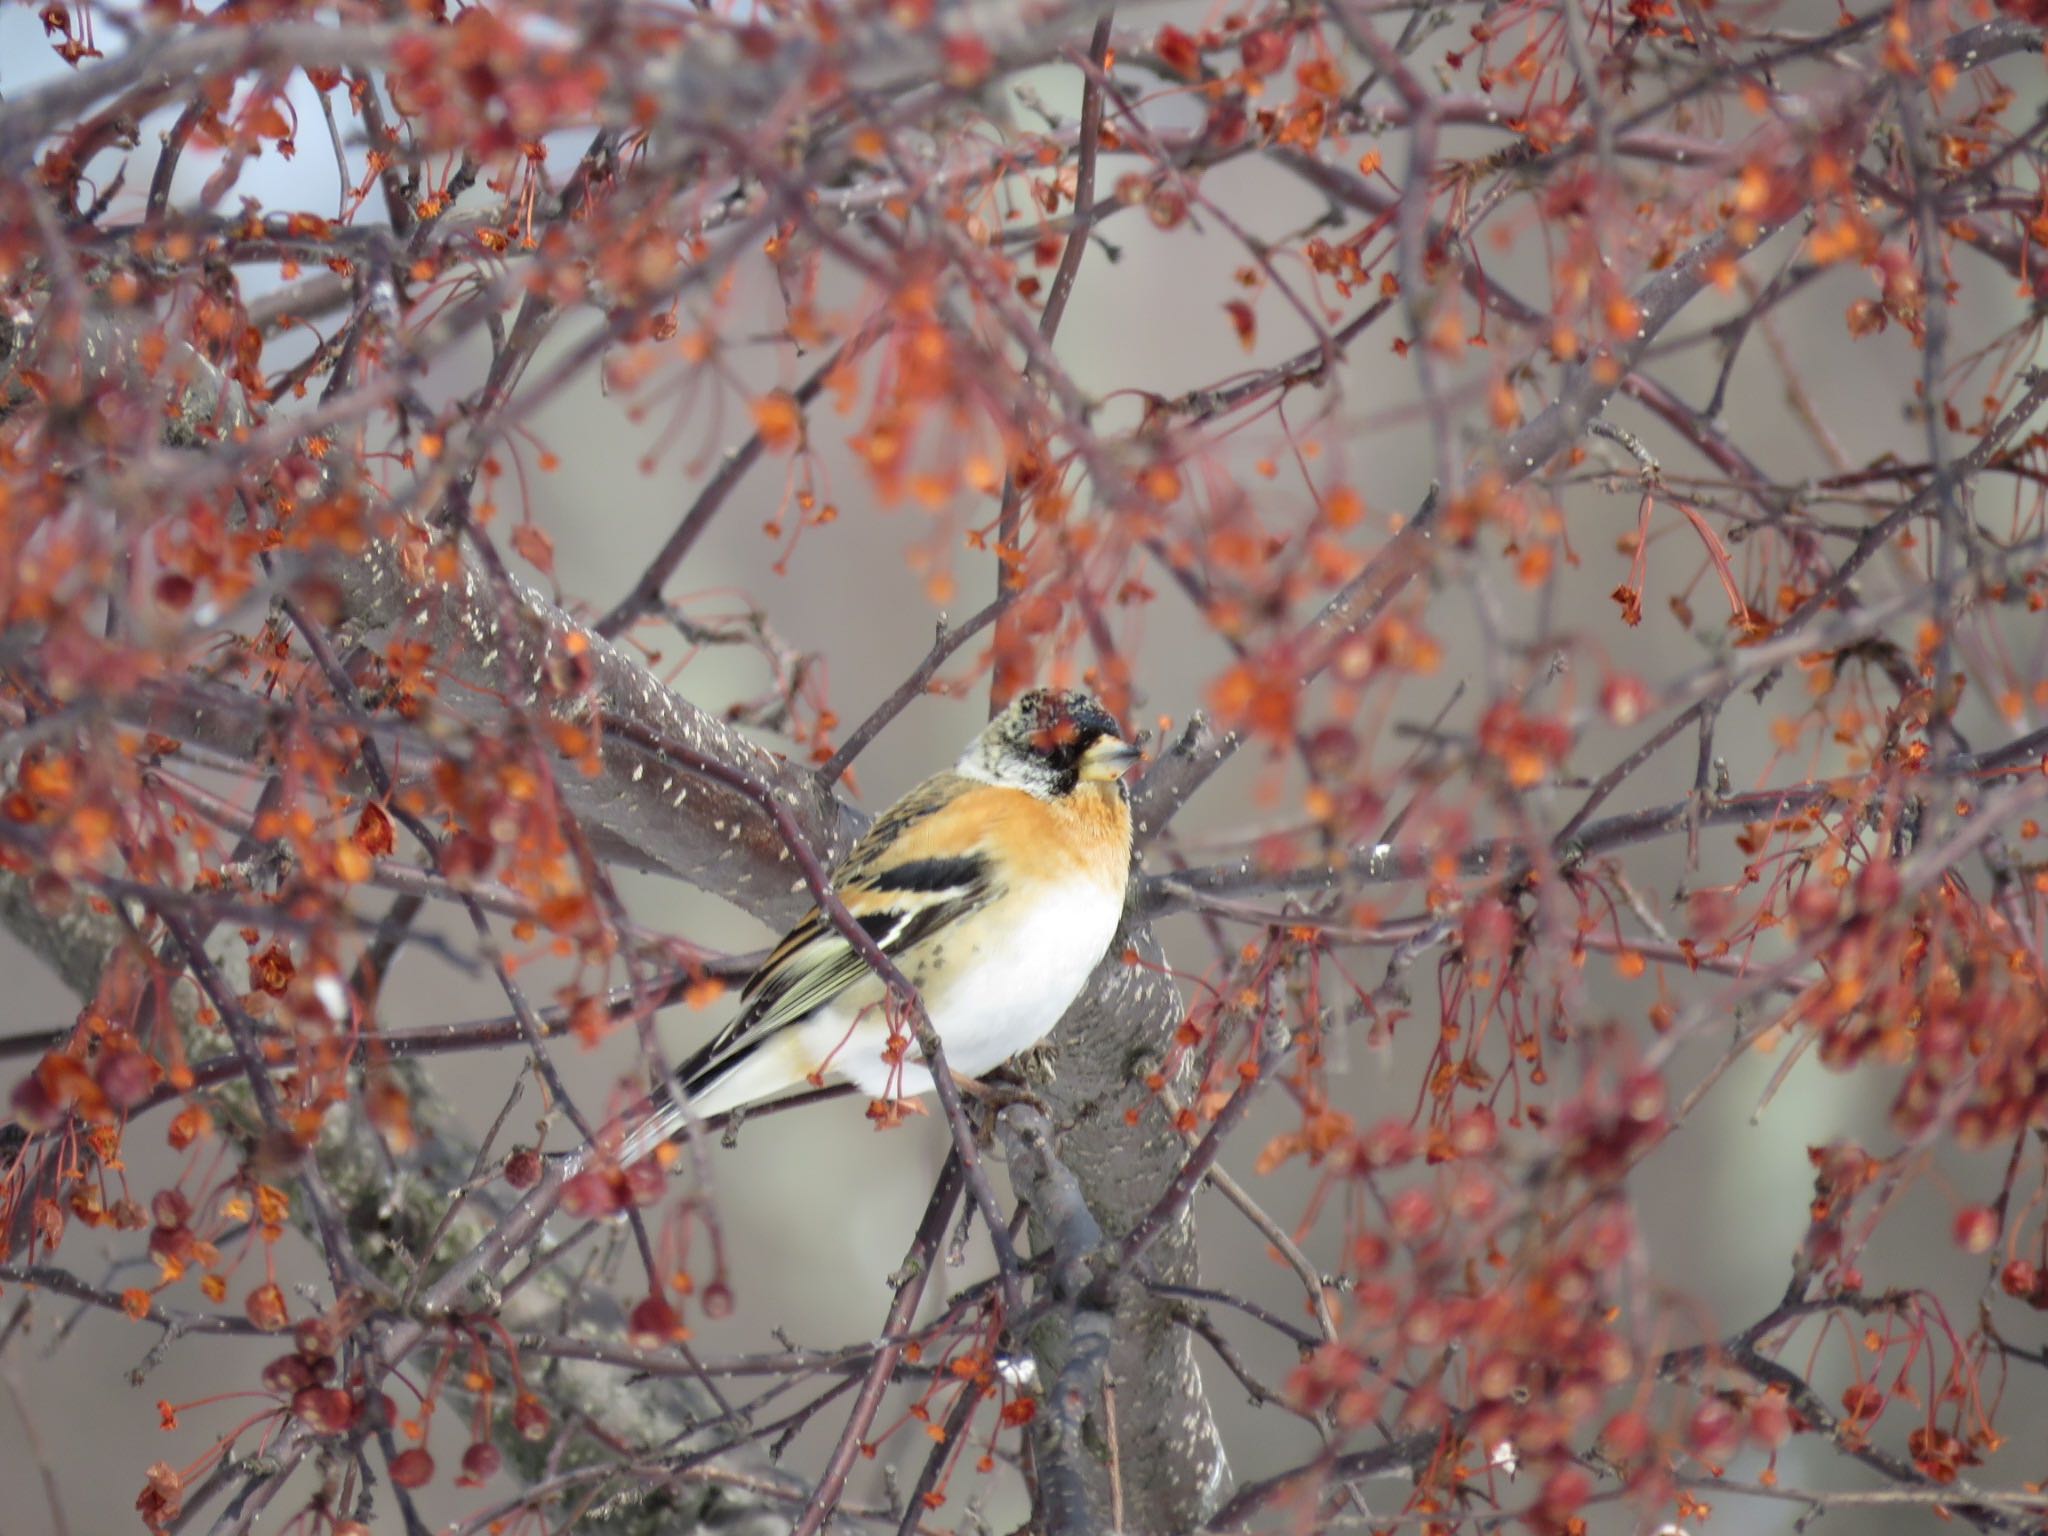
1170,1461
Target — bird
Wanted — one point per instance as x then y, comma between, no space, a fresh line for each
995,887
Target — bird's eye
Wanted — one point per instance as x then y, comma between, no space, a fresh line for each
1054,736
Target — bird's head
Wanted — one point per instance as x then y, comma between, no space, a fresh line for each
1047,742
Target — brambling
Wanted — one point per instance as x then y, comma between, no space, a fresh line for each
995,887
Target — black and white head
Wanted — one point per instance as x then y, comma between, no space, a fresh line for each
1048,743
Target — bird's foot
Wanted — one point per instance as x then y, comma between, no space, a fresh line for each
996,1094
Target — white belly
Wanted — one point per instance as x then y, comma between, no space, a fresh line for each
1003,998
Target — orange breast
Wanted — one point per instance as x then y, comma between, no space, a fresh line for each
1086,834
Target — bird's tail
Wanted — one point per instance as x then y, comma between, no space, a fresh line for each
710,1083
665,1118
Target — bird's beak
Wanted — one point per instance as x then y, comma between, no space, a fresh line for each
1108,759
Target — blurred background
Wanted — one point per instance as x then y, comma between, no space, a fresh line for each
817,1207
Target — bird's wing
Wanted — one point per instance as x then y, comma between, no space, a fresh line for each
920,868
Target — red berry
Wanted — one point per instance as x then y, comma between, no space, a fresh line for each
126,1077
1565,1490
170,1208
1626,1436
1713,1432
412,1469
266,1309
643,1182
33,1107
529,1417
479,1464
1976,1228
1497,1375
654,1324
287,1373
1414,1215
1814,907
1388,1143
1624,698
1770,1421
1265,52
1643,1096
1474,1133
592,1194
522,1168
325,1410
